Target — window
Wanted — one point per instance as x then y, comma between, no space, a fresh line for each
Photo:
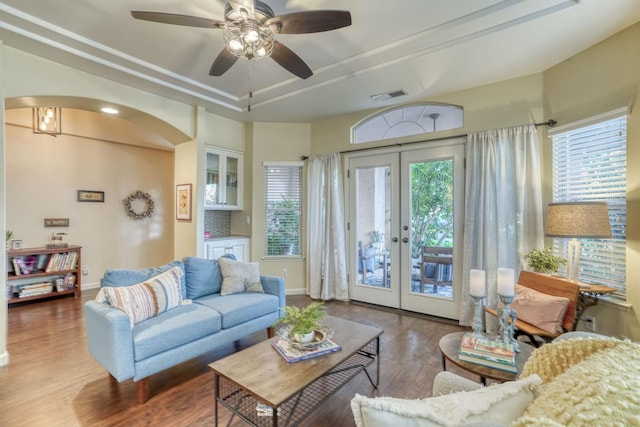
283,208
408,120
589,164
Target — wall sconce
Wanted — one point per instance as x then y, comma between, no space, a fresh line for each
47,120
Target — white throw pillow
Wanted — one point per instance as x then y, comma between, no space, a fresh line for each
495,405
239,276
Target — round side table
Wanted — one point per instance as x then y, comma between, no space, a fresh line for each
450,344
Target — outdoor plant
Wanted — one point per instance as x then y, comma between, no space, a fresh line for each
305,321
544,261
283,227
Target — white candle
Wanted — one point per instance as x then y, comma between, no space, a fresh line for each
506,284
476,283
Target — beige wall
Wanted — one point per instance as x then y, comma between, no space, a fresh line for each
509,103
600,79
597,80
44,173
275,142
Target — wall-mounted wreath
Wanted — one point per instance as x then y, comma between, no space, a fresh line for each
138,205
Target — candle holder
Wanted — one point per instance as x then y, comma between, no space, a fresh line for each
506,322
477,324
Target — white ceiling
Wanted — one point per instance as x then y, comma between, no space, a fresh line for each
426,47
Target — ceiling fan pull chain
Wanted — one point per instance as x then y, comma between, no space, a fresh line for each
250,85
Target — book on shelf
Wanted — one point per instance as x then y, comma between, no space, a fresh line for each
33,289
488,348
292,354
496,364
16,267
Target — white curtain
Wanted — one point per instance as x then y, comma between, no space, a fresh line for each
326,260
503,204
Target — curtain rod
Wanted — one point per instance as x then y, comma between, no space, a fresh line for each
550,123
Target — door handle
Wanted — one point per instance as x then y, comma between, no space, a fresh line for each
394,240
405,240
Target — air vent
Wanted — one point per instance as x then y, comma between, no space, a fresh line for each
388,95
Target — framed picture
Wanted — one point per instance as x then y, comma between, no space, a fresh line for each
56,222
183,201
16,244
90,196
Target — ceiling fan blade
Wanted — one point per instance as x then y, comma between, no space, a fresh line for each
175,19
239,5
290,61
222,63
313,21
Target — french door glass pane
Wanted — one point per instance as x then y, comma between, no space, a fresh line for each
431,219
373,199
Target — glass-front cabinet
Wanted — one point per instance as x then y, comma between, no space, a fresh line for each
223,183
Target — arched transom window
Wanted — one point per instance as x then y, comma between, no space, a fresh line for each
407,120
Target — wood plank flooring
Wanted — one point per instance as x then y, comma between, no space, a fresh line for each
51,380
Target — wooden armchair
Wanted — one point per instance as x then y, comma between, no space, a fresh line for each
550,285
435,264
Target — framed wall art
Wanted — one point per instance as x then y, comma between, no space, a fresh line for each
183,202
90,196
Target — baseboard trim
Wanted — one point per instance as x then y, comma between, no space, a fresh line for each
299,291
4,358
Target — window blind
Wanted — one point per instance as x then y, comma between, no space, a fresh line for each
589,164
283,209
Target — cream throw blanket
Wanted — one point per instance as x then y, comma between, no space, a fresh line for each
586,382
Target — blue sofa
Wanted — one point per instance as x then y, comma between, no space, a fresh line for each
183,332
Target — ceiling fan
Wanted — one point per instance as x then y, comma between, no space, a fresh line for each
249,31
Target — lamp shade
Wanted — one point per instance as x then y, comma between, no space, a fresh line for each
578,220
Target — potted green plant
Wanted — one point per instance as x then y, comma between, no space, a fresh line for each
544,261
303,322
9,235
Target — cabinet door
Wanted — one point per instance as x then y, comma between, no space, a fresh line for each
239,249
216,250
233,170
223,182
212,180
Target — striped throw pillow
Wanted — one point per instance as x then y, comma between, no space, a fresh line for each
147,299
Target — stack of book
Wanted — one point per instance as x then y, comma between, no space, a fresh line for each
34,289
292,354
488,352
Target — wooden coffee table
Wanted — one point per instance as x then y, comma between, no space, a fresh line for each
259,386
450,344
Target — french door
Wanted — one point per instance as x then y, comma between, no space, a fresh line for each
405,213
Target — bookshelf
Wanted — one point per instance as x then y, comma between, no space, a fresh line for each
33,273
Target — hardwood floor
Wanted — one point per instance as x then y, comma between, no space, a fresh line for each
51,380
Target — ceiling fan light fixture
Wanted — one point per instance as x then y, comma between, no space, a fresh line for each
248,39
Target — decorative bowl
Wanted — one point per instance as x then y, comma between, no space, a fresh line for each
320,335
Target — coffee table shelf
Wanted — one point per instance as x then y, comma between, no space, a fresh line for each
294,410
257,381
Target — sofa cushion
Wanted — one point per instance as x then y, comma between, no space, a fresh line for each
202,276
173,328
236,309
239,276
587,381
126,277
541,310
147,299
496,405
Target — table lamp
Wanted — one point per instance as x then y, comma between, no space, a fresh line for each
585,220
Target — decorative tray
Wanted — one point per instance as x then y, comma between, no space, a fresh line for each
320,335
